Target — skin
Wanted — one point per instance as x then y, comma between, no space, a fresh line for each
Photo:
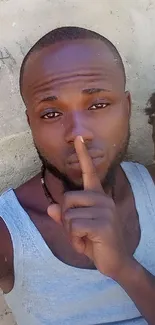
91,225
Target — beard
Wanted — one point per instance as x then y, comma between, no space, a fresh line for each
69,185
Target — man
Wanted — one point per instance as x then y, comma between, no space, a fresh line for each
77,241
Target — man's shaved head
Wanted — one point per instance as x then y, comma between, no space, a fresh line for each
66,34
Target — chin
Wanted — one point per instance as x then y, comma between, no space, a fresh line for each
74,176
74,181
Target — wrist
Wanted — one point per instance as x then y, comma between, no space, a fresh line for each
130,270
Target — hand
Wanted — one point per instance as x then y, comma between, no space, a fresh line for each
91,220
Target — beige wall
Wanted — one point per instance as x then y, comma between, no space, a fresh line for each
129,24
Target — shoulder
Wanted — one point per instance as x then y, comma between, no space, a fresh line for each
151,170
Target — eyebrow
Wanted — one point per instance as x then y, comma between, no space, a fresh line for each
88,91
91,91
49,98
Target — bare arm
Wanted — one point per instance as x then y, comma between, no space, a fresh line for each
6,258
140,286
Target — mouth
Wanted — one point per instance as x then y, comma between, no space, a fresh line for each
96,156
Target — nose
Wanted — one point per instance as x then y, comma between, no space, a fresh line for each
77,124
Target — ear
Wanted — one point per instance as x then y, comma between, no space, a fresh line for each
27,117
128,102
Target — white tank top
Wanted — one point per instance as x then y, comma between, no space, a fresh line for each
49,292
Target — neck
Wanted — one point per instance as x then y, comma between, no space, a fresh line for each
56,187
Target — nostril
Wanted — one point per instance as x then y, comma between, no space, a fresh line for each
86,138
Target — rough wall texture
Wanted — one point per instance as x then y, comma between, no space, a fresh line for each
129,24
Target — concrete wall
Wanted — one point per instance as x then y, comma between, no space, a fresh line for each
129,24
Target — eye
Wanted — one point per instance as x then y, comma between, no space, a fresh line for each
51,115
99,106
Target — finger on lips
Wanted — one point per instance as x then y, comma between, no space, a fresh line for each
91,180
93,191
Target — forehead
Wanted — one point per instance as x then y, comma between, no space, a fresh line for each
72,64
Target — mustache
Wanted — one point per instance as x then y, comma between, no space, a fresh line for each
91,148
68,184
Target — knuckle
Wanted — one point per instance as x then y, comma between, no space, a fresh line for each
69,215
67,202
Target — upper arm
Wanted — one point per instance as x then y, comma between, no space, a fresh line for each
6,253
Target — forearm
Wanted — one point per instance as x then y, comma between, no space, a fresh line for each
139,284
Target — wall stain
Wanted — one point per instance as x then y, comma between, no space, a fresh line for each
6,59
24,46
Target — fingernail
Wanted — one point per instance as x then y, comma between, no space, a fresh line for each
81,138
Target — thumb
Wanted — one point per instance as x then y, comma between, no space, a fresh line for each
54,211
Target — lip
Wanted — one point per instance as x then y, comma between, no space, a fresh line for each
94,154
75,168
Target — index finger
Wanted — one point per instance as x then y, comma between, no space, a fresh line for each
91,180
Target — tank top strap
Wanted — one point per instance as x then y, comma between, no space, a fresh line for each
141,182
143,189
